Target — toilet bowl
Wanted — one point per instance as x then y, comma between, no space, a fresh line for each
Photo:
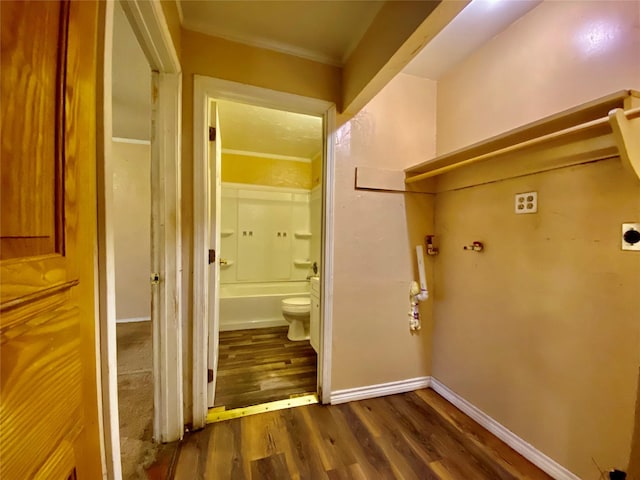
297,311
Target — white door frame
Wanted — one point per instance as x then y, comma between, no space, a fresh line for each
206,88
149,24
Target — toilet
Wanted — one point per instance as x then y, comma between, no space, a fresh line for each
297,311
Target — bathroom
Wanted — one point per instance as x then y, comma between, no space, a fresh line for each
270,252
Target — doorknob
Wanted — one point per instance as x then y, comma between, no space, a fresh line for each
223,261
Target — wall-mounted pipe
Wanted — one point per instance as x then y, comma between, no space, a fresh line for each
417,293
474,247
424,293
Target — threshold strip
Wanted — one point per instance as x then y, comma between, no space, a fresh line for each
219,414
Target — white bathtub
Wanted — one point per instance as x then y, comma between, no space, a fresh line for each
256,305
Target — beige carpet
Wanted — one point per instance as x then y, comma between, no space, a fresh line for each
135,401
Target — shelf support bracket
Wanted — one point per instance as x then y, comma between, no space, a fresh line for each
626,132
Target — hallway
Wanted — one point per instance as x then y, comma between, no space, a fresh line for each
411,435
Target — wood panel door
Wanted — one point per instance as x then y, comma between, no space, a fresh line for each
48,381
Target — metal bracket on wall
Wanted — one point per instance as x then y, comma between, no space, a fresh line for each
626,131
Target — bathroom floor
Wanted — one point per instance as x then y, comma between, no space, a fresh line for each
262,365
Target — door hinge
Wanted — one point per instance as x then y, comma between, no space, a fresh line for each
210,375
212,134
212,256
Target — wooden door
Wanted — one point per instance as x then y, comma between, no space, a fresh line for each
48,381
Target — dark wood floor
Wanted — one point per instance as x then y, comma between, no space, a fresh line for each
263,365
416,435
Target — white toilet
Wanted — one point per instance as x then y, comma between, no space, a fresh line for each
297,311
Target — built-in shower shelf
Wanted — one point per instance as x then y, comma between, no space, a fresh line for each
302,263
302,234
604,128
226,233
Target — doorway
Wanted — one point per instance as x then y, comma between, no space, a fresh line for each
163,124
269,252
130,167
209,232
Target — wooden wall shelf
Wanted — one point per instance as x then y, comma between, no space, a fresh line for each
604,128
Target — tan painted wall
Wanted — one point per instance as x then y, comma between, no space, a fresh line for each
132,228
271,172
559,55
634,459
541,331
396,35
216,57
374,244
390,29
316,170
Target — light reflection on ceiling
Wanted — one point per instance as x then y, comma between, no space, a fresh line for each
265,130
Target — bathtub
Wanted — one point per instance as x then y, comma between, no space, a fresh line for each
256,305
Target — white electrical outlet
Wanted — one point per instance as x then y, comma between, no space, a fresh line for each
631,236
526,202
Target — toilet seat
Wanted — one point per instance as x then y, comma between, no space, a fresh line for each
296,305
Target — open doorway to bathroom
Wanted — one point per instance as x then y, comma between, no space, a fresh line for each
269,254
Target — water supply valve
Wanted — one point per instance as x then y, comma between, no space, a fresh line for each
431,250
474,247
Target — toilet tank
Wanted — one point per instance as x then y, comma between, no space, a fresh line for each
314,321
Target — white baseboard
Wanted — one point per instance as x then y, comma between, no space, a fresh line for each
380,390
133,320
525,449
250,324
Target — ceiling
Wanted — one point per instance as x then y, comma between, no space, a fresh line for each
265,130
326,31
323,30
478,23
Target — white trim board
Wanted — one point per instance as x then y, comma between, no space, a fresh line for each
265,188
105,274
273,156
379,390
253,324
133,320
180,13
525,449
134,141
326,272
166,256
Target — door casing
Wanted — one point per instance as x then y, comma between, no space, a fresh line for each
151,29
205,89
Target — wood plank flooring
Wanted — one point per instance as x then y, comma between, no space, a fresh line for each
262,365
417,435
